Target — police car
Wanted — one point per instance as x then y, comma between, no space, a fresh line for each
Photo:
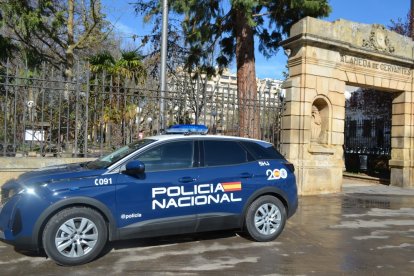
162,185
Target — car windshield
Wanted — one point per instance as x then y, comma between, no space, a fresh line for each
117,155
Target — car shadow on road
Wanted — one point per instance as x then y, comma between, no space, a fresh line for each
166,240
146,242
31,253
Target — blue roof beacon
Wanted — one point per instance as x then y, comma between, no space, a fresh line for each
187,129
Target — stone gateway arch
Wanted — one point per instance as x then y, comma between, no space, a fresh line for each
324,57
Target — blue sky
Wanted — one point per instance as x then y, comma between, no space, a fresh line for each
122,15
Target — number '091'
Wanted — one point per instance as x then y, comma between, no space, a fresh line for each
103,181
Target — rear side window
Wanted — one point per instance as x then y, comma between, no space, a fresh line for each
265,151
221,153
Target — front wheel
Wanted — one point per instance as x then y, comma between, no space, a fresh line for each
75,236
265,218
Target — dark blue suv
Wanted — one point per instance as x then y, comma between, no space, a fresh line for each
162,185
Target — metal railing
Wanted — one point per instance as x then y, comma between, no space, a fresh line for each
43,113
368,136
368,146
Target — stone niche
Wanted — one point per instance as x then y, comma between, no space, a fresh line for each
322,168
320,122
324,57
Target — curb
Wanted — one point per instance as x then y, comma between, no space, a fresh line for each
366,178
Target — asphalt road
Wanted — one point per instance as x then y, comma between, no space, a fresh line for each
367,229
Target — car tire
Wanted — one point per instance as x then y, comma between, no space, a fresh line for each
75,236
265,218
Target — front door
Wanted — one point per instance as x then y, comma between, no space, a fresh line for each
158,202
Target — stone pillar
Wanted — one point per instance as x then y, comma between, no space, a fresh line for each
313,133
402,140
313,122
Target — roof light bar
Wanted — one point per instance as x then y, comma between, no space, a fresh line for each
187,129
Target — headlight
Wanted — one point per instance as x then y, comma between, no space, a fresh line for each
13,192
6,194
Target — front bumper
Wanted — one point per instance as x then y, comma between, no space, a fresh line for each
12,221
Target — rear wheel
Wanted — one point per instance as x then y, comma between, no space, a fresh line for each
265,218
75,236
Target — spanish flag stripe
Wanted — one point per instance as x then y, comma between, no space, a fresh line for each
231,183
232,190
232,186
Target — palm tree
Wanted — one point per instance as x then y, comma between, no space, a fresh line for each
130,67
101,62
125,73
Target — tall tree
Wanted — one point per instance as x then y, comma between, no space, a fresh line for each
7,48
403,27
233,25
176,51
411,19
54,30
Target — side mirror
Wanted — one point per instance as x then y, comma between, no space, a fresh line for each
134,167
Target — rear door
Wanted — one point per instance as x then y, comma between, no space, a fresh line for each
230,171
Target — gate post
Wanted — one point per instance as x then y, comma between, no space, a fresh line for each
312,138
402,140
313,122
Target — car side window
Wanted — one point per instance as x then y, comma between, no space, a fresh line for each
265,151
220,153
168,156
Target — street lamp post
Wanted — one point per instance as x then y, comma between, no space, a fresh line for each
30,105
164,41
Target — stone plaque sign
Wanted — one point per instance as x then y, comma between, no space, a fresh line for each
380,66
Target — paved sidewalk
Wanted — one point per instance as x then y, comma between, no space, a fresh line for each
368,187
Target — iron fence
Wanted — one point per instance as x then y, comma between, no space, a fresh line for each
42,113
368,146
368,136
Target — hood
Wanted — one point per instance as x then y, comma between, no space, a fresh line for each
56,173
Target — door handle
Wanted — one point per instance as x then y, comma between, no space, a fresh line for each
246,175
186,179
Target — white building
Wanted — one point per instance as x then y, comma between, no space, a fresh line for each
266,87
216,99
